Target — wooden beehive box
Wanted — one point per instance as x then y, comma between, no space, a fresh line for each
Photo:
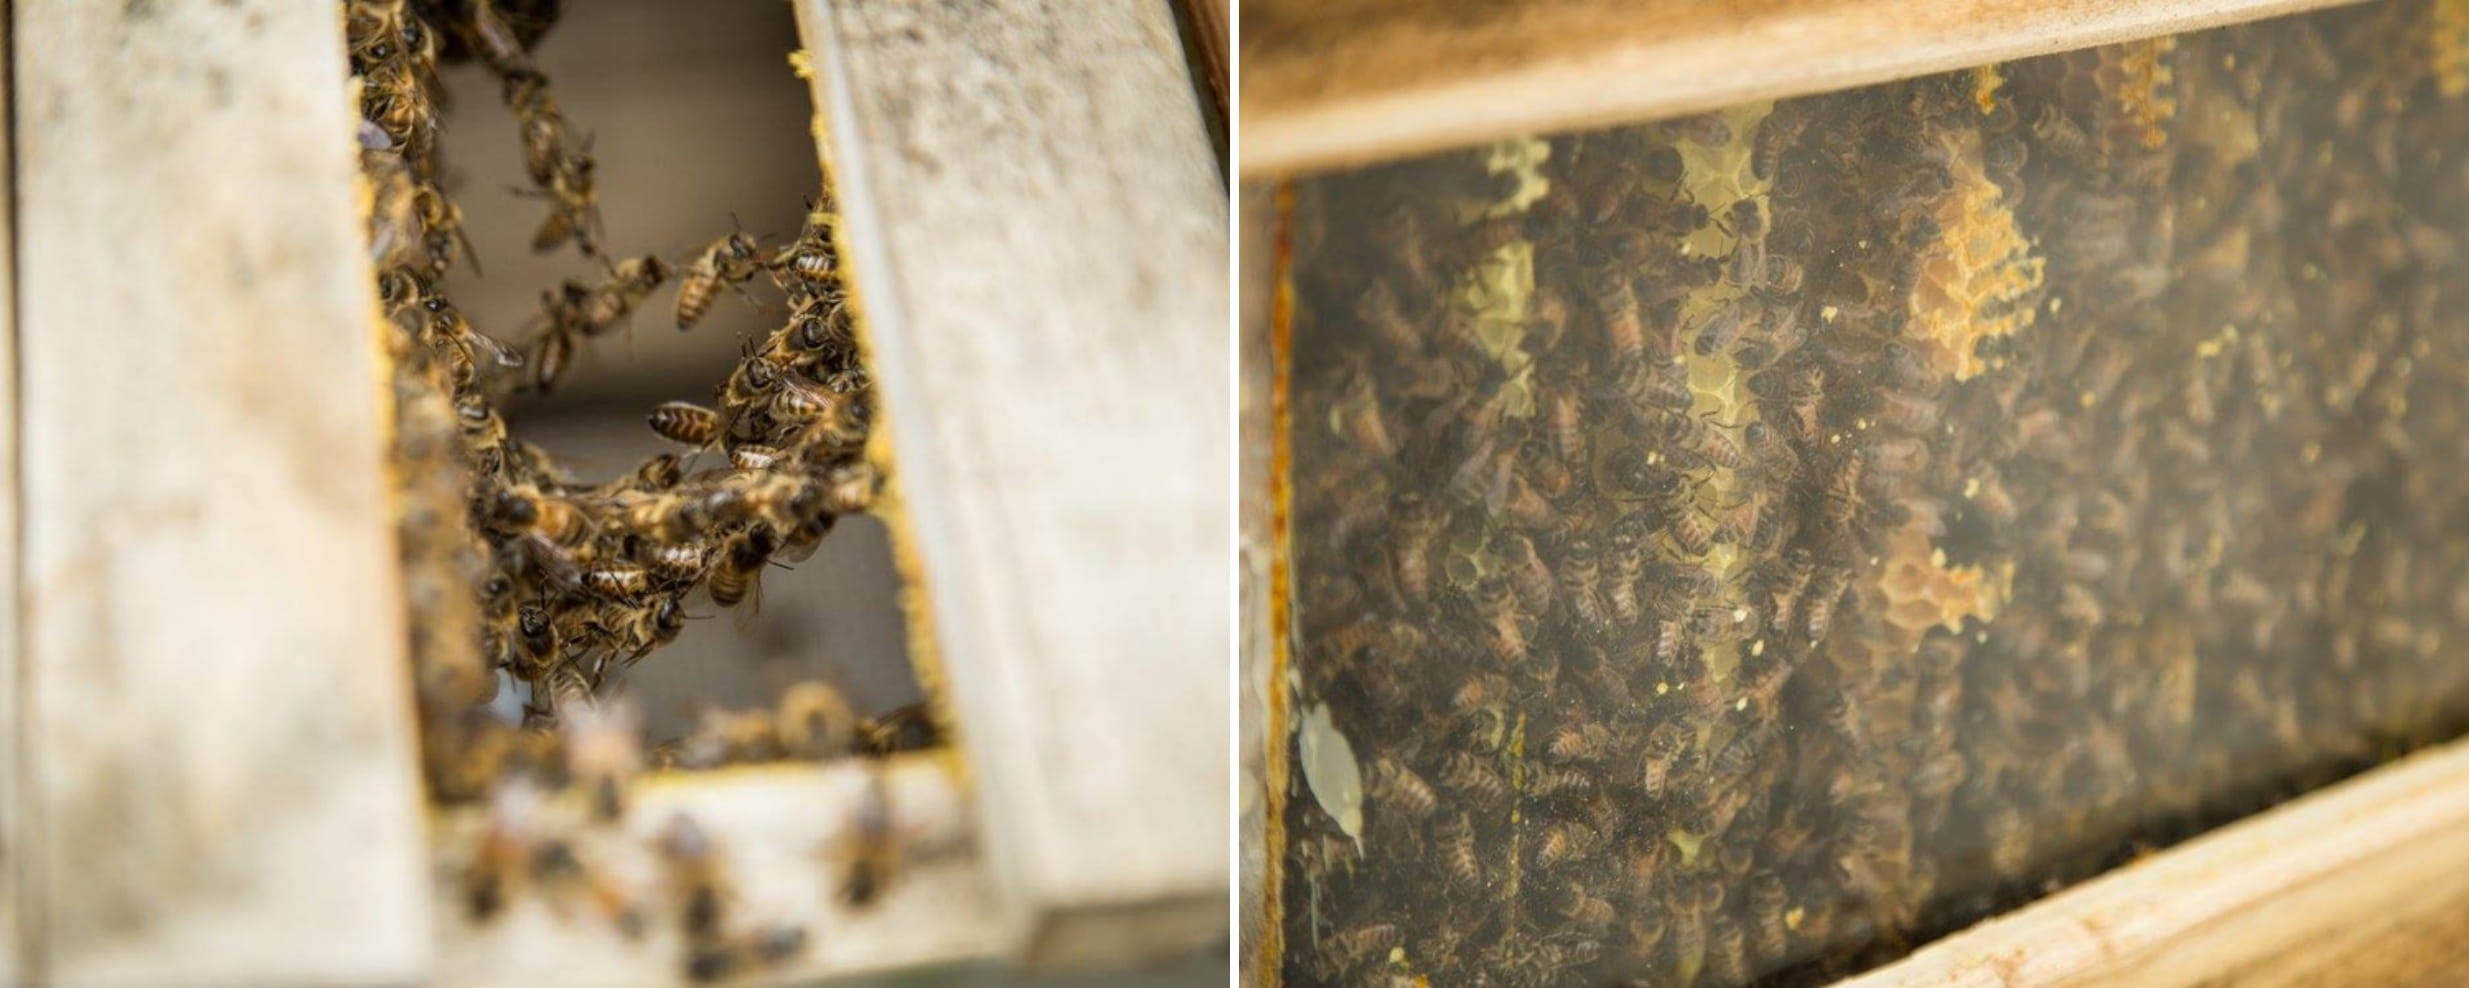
2313,889
208,762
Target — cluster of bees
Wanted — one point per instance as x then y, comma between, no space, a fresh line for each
1736,549
516,567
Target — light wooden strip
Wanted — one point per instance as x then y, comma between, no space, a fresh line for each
1257,514
783,834
2373,855
1037,232
1356,81
15,812
214,615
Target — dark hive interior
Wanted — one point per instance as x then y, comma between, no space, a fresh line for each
535,585
1740,548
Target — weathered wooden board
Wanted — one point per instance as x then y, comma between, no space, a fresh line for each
1257,684
1348,82
14,816
784,834
213,614
1037,232
2360,869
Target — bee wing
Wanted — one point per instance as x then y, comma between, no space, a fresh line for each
797,550
554,565
496,39
500,354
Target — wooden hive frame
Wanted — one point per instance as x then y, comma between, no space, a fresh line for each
2327,887
207,753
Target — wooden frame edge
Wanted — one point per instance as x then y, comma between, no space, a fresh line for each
2259,893
990,230
785,834
1411,81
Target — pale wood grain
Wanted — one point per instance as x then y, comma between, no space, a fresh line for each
14,814
214,614
1355,81
1037,231
1256,495
2266,900
783,833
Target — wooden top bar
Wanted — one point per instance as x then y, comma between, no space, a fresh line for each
1352,82
222,756
1036,229
2293,893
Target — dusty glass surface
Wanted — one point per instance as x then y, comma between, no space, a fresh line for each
1744,547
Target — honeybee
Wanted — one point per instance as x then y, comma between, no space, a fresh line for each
850,487
1727,955
737,576
1628,567
1506,627
2059,133
560,168
908,728
1559,784
603,749
524,509
1527,572
1665,745
616,579
1656,385
501,857
754,457
816,722
1360,418
1616,304
393,214
1691,530
1579,743
691,867
1456,837
562,873
793,401
1579,579
672,563
1417,523
1378,307
480,423
1469,775
1587,912
1707,442
810,262
637,627
1399,788
442,222
536,634
730,261
1776,135
592,310
868,849
1356,947
721,958
686,423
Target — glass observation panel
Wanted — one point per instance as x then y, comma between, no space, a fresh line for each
1741,548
